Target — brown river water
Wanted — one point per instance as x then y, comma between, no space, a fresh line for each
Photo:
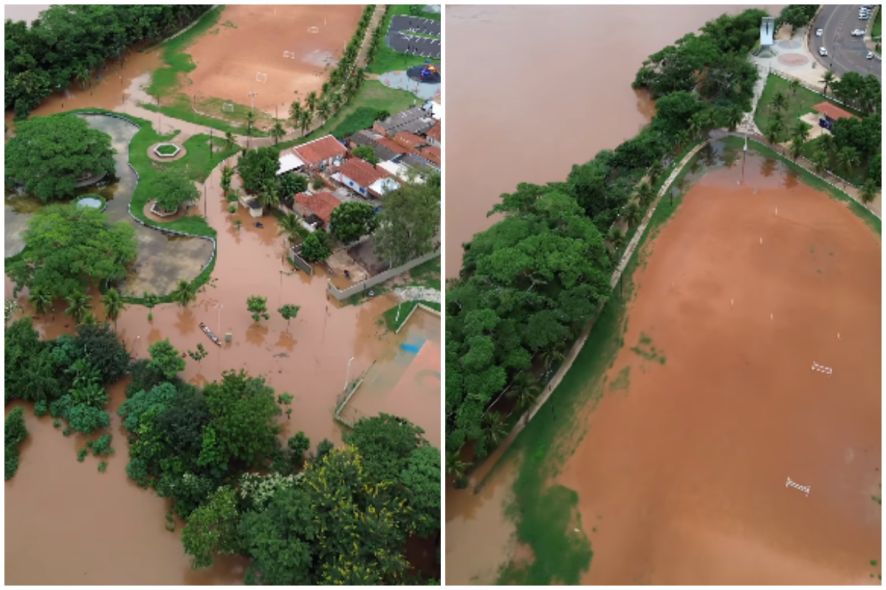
57,507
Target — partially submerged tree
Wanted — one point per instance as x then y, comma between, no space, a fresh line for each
258,307
289,312
408,224
166,359
352,220
49,155
172,189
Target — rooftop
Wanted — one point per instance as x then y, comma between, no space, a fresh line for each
409,139
361,172
432,154
436,132
320,204
832,111
319,150
414,120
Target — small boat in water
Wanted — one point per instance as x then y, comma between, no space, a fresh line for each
209,333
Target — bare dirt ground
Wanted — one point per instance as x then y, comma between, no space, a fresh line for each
252,39
712,402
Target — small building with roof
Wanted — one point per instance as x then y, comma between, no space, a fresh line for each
362,177
319,205
321,153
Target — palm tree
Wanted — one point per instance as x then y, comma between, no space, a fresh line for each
295,110
553,355
113,302
456,467
795,86
325,89
645,193
631,213
797,144
306,119
828,144
868,191
801,130
656,171
41,301
250,120
270,196
772,132
289,225
779,101
311,101
820,160
184,294
227,175
681,139
79,307
230,141
496,430
733,118
846,159
324,110
827,80
616,237
277,131
359,77
526,388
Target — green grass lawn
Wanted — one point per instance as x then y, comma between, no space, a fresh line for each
857,175
877,29
798,105
388,60
427,274
391,316
360,112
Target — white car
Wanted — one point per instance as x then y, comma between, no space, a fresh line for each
870,55
819,32
858,33
822,51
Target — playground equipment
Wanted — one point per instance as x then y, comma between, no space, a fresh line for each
429,73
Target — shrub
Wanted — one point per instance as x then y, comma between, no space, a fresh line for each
41,408
102,466
56,423
81,454
102,447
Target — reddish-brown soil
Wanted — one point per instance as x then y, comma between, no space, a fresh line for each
228,61
683,473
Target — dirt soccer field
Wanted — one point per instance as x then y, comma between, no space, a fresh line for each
270,50
712,402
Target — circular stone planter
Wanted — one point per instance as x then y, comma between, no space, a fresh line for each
96,202
166,152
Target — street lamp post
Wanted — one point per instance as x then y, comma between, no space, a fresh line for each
348,375
219,307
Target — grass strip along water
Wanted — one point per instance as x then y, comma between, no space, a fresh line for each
498,342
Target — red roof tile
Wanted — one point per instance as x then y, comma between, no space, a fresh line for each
320,204
316,151
392,145
436,132
832,111
432,154
410,140
362,172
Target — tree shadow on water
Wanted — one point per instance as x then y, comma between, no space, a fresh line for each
256,334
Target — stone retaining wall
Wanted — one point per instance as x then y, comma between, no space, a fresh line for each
341,294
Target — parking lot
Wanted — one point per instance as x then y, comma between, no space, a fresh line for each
406,35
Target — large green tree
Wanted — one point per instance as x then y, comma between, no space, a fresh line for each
49,155
408,223
258,169
352,220
66,248
172,189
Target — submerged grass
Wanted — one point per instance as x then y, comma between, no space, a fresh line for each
402,312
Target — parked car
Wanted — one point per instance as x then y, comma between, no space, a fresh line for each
858,33
822,51
819,32
870,55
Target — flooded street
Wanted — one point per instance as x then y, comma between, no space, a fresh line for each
719,407
57,506
556,101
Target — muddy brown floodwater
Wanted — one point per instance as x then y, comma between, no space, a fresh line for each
554,82
58,507
684,470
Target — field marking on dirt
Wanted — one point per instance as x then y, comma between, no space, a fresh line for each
313,29
228,107
794,484
261,77
822,368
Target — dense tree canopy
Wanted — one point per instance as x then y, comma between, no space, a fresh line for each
409,223
66,248
173,189
49,155
258,169
352,220
70,41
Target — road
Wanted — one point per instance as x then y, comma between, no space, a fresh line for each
845,52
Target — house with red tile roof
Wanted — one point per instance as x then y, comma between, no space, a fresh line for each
432,154
364,179
434,135
320,153
409,140
318,204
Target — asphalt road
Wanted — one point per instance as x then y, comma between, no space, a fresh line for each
845,52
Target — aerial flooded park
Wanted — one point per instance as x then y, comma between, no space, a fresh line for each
217,335
689,390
